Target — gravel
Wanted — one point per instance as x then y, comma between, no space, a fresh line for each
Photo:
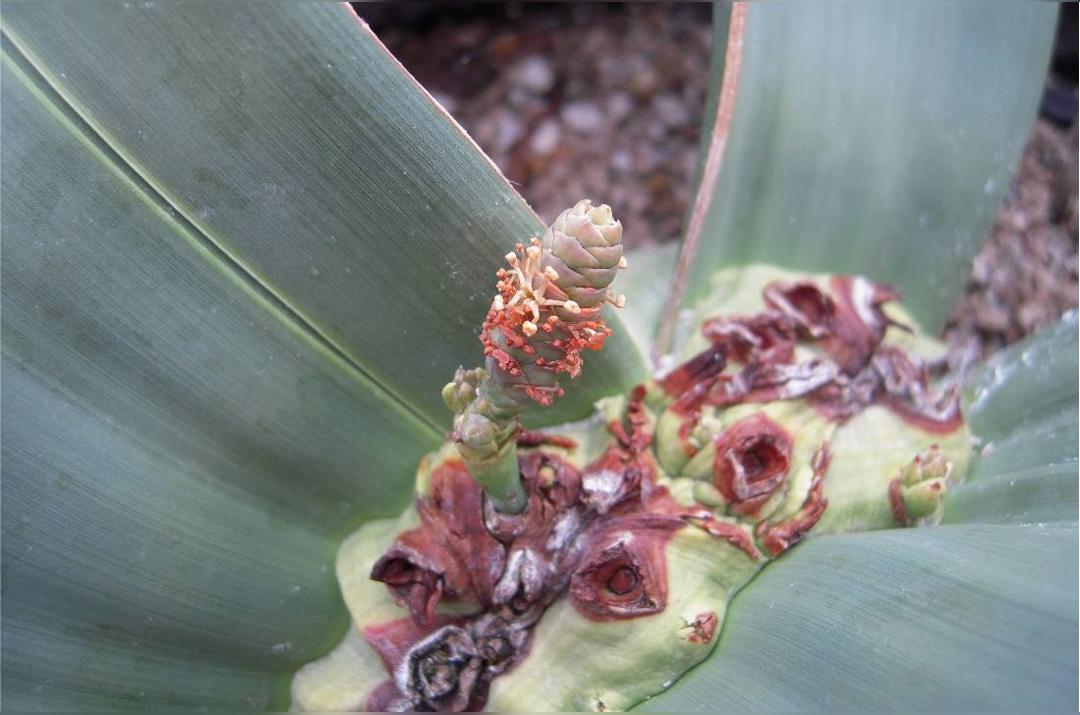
1025,277
570,101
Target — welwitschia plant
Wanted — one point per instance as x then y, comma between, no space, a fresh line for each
801,406
243,251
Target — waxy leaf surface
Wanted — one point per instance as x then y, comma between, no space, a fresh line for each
243,251
293,141
873,138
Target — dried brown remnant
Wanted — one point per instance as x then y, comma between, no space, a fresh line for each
423,662
896,381
444,669
698,370
896,503
529,438
416,578
637,439
733,534
753,457
624,572
906,391
778,537
761,336
810,311
597,536
451,555
860,323
847,324
703,627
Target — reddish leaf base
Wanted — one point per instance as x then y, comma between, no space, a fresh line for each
778,538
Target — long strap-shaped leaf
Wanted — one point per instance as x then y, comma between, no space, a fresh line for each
289,137
873,138
978,614
952,618
242,253
1024,413
179,456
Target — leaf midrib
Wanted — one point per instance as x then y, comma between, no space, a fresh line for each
30,70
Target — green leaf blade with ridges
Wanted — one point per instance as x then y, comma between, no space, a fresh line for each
180,457
292,139
1023,412
973,617
872,138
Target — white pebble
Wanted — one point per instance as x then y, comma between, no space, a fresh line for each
545,138
584,117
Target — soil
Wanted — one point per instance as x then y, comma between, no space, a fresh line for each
1025,277
607,100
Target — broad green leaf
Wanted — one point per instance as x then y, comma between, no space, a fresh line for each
973,617
1023,412
288,137
179,455
235,279
873,138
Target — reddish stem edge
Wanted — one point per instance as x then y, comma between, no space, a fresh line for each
714,157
